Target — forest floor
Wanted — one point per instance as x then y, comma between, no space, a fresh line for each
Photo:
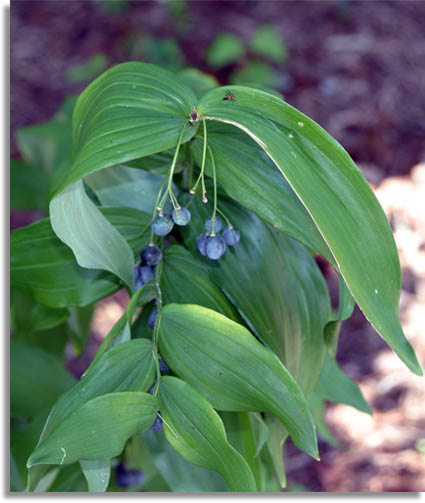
358,69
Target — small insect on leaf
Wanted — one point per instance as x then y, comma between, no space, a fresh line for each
229,96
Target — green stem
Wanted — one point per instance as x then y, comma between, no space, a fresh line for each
158,273
225,218
215,191
201,174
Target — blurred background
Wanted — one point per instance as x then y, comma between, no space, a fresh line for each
358,69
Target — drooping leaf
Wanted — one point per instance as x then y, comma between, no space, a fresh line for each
225,362
95,242
196,431
82,434
37,378
97,474
247,175
337,196
334,385
132,110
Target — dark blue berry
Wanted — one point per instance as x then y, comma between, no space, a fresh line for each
152,318
151,255
231,236
216,247
162,225
157,425
127,478
181,216
218,225
163,367
146,273
201,244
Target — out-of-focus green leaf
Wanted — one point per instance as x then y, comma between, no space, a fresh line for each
162,51
37,378
28,187
97,474
184,279
337,387
267,42
196,431
337,196
225,362
82,434
317,405
247,175
198,81
132,110
93,239
226,48
260,73
88,70
43,318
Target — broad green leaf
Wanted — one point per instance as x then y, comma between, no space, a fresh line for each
334,385
179,474
267,42
124,186
225,362
128,367
93,239
336,195
157,163
132,110
28,187
37,378
97,474
185,280
44,266
278,290
226,48
196,431
247,175
43,318
98,429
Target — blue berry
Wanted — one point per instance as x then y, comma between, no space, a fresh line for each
218,225
181,216
152,318
162,225
146,273
151,255
127,478
231,236
157,425
216,247
201,244
163,367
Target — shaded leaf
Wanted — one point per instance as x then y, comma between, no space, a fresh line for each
97,474
28,187
196,431
43,318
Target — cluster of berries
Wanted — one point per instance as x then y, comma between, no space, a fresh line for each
212,245
151,256
163,223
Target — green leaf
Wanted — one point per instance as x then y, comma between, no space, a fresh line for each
88,70
128,367
43,318
267,42
226,48
196,431
278,290
336,386
95,242
185,280
225,362
260,73
275,443
337,196
97,474
130,111
98,429
28,187
198,81
124,186
247,175
37,378
41,264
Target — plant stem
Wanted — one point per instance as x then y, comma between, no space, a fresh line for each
215,191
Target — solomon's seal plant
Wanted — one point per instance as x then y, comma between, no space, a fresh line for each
208,208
